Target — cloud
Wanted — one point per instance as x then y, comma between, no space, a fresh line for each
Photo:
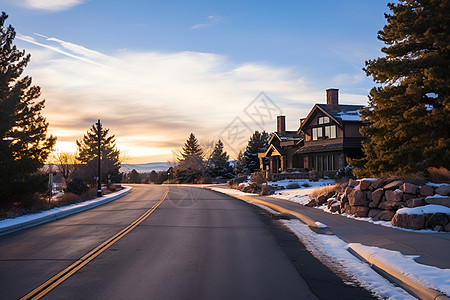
152,100
50,5
209,21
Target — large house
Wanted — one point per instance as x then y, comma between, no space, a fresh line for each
281,152
325,138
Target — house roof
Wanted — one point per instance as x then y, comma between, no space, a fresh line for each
344,113
286,136
274,148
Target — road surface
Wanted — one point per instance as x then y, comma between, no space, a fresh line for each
197,244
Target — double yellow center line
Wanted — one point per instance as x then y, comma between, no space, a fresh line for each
53,282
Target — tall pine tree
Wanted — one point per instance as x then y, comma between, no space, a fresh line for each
87,149
218,164
409,112
256,142
24,144
190,167
191,147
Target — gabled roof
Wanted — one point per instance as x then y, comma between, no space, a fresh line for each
345,113
286,136
275,148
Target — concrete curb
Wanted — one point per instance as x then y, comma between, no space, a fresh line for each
48,216
394,273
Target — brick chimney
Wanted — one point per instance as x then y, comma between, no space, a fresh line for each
333,99
281,124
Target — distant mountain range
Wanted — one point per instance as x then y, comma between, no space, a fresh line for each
145,168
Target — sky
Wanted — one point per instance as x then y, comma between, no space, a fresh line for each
155,71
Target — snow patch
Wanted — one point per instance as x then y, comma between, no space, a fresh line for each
427,209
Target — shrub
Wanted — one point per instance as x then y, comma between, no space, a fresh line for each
76,186
293,185
439,175
327,191
258,177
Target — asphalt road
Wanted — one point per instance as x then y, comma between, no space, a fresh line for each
198,244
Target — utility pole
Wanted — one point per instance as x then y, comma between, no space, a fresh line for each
99,182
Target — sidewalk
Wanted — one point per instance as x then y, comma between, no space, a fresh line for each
432,248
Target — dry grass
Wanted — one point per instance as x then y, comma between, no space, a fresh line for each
258,177
326,190
439,175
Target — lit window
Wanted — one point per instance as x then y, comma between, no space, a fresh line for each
314,134
330,132
324,120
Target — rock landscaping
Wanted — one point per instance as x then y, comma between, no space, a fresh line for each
405,204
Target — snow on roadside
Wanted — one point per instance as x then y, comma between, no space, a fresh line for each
30,217
332,251
299,195
433,277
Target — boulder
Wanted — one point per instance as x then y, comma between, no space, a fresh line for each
447,227
415,222
373,213
396,195
438,228
415,202
393,185
373,204
439,200
387,205
437,219
386,215
330,202
426,191
311,203
360,211
353,183
347,192
406,197
357,198
364,185
322,199
409,188
377,183
344,185
377,195
443,190
335,207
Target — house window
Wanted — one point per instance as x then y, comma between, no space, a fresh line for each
324,120
327,132
330,132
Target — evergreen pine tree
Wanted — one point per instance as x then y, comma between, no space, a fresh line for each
87,149
190,165
256,142
409,113
134,177
218,164
191,147
239,163
24,144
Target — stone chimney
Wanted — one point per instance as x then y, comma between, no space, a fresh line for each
333,99
281,124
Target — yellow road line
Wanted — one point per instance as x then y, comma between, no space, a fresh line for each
53,282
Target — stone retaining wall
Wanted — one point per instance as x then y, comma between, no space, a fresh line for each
380,199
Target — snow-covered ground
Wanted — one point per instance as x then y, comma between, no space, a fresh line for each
333,252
